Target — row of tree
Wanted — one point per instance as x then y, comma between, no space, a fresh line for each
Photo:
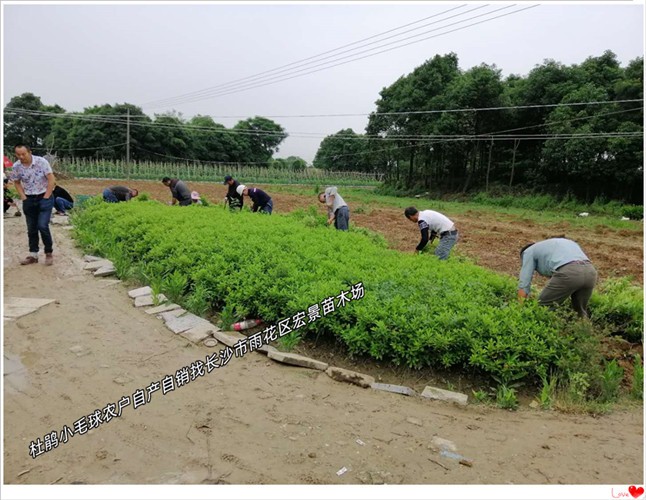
587,150
102,132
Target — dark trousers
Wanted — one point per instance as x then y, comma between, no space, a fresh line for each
37,212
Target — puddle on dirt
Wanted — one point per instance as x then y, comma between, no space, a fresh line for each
14,373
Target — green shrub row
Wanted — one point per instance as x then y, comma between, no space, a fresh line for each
417,311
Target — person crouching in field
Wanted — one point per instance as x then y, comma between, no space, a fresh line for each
115,194
570,271
261,201
337,209
234,199
63,201
7,200
179,191
431,224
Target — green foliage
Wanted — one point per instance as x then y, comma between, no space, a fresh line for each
143,197
548,392
506,398
416,311
618,308
634,212
637,386
481,396
291,340
611,379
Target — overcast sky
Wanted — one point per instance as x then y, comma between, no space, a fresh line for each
78,56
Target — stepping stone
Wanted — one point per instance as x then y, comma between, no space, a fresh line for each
186,322
343,375
397,389
105,271
138,292
97,264
16,307
265,349
92,258
443,395
163,308
199,333
296,360
147,300
228,338
174,313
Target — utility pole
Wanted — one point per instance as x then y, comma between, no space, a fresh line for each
128,146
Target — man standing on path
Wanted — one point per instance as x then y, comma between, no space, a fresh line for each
179,191
571,272
115,194
431,224
234,199
34,181
337,209
261,200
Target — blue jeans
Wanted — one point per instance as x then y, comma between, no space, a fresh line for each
109,196
37,212
445,245
62,205
267,209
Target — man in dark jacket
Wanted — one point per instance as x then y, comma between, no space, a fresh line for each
233,198
180,192
63,201
261,200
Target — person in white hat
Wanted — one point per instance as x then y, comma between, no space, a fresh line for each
261,201
195,198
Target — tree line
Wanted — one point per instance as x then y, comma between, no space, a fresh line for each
524,143
102,132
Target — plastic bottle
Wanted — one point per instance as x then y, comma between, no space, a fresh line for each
244,325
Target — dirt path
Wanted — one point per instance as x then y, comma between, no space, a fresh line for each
252,421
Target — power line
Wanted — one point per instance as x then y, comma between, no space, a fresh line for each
219,94
295,63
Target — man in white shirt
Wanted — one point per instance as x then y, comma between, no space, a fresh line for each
338,211
431,225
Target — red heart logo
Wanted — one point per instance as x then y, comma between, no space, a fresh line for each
636,492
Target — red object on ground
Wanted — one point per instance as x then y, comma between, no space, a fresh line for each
7,162
243,325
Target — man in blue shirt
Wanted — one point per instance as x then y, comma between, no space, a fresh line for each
571,272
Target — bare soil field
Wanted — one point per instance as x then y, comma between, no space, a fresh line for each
252,421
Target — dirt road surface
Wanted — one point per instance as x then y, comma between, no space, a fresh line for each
252,421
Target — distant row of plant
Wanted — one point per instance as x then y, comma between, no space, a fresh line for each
506,198
416,312
115,169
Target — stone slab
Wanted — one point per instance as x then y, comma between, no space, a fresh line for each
97,264
265,349
397,389
92,258
163,308
105,271
228,338
16,307
343,375
444,395
199,333
138,292
183,323
297,360
147,300
168,315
